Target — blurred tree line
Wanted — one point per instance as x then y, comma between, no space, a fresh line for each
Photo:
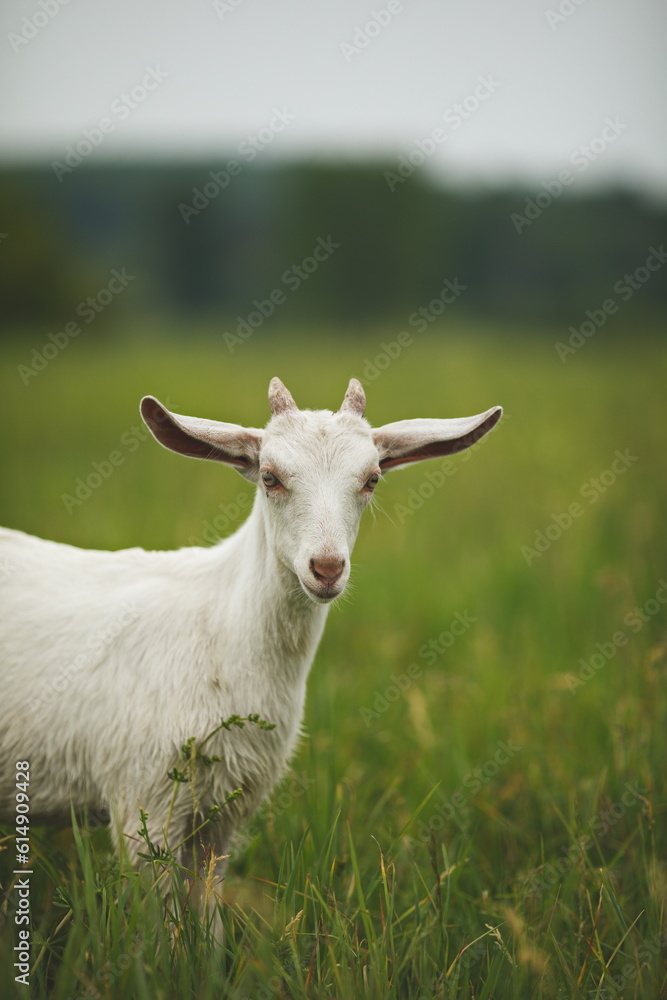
346,243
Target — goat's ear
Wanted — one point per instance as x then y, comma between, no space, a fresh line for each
415,440
208,439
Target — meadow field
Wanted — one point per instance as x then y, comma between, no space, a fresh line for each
477,809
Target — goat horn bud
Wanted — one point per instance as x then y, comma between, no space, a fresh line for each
280,398
355,398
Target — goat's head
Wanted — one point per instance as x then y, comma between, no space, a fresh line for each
315,470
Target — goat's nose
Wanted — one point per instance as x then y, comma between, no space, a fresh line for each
327,569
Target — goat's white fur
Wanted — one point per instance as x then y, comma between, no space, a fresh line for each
111,660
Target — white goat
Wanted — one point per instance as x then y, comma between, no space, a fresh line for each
111,660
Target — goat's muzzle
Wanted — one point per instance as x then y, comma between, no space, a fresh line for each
325,577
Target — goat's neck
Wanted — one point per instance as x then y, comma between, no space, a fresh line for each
267,590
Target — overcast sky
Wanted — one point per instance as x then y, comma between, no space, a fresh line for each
350,77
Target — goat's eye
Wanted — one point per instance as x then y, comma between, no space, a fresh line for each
270,481
372,482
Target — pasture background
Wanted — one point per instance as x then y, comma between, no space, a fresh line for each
351,849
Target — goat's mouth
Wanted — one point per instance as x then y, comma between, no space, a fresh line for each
322,595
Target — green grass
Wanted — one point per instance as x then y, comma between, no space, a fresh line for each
487,820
